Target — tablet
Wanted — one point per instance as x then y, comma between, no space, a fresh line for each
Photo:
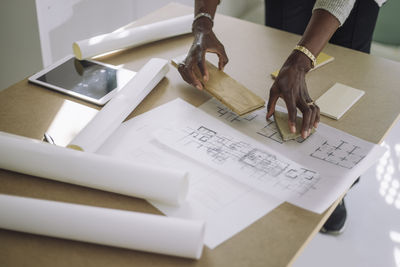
89,80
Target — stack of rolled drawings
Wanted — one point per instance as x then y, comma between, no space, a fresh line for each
82,166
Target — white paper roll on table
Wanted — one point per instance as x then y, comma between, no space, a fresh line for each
125,229
109,118
132,37
41,159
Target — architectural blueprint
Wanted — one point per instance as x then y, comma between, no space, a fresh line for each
340,153
337,158
226,205
266,129
244,160
341,150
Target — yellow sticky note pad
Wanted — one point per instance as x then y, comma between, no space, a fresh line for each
322,59
337,100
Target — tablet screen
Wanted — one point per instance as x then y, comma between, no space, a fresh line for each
83,77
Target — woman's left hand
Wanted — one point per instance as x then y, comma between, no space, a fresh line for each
291,86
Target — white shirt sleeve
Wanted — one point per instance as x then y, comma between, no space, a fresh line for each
339,8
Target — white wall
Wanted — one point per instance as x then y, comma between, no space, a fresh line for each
62,22
37,33
19,42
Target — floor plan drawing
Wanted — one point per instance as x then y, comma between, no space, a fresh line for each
230,116
236,176
267,127
263,163
339,153
304,179
270,131
219,148
245,160
332,150
329,152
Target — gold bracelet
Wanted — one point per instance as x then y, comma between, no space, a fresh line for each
307,52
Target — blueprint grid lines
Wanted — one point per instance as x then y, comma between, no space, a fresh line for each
341,153
251,162
233,117
269,130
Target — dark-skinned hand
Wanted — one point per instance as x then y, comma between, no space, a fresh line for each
204,41
291,86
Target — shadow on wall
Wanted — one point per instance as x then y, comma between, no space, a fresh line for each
19,45
239,9
63,22
80,20
387,32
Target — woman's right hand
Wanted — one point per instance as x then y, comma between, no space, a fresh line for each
204,41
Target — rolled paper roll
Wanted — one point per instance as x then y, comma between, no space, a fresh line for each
118,228
109,118
132,37
44,160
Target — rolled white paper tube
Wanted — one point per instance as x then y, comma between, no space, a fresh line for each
118,228
109,118
132,37
41,159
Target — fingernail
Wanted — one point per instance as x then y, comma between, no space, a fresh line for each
198,87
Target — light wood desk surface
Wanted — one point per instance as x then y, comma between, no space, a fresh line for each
254,52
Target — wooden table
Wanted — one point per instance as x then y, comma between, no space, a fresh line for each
254,52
